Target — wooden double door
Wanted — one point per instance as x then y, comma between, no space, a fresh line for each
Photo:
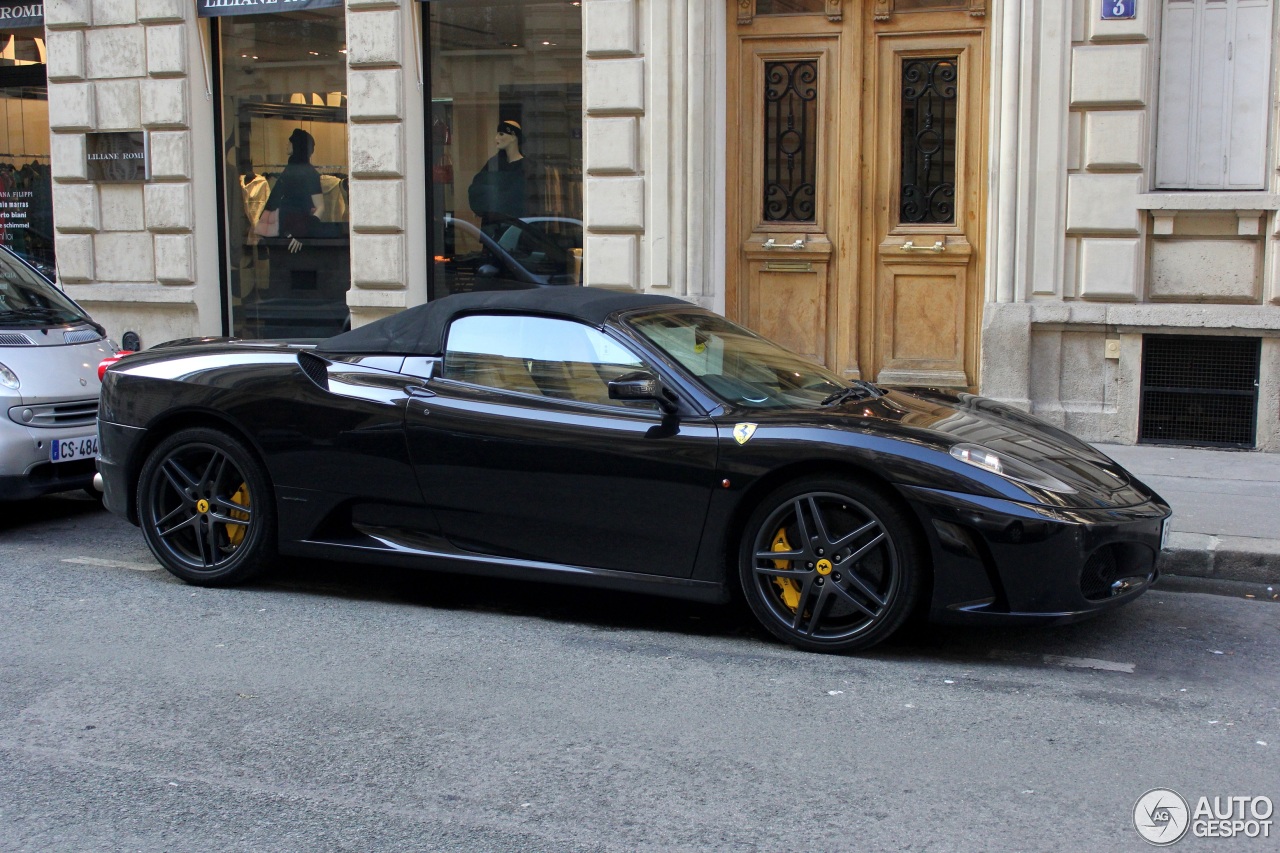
857,151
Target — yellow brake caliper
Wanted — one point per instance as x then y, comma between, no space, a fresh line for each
235,532
789,589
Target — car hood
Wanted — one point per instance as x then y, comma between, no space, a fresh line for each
941,419
51,370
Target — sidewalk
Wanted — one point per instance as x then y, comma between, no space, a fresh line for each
1226,514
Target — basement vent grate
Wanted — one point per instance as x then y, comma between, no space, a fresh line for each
1199,391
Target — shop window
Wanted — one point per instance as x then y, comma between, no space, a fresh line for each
505,142
283,134
1215,83
26,202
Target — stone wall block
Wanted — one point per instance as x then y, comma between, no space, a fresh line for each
124,256
1115,140
61,14
167,50
373,38
75,257
71,106
161,11
169,207
1137,28
615,204
613,86
175,258
378,260
170,155
1109,268
377,150
377,205
1109,75
77,206
67,161
65,51
109,13
114,52
612,145
1206,270
375,95
118,105
610,28
1103,203
120,206
612,260
164,103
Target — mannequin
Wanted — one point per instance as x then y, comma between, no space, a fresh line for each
498,190
298,194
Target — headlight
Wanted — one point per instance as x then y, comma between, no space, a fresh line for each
8,378
1011,469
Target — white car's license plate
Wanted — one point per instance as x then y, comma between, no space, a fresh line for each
71,449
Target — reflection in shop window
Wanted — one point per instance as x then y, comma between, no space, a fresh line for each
26,186
505,130
284,134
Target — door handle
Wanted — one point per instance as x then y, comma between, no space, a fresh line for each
910,246
772,244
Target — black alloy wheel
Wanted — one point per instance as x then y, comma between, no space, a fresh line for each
206,508
830,565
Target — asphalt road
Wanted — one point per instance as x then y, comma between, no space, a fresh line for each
338,707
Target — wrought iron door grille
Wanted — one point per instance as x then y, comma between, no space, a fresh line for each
929,88
790,141
1199,391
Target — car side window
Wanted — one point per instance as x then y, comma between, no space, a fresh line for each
545,357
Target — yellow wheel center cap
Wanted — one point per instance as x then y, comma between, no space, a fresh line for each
824,567
202,506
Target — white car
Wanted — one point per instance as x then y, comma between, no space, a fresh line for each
49,355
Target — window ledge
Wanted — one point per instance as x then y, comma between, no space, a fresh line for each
1258,200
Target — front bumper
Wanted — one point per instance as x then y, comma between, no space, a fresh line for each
25,469
1002,562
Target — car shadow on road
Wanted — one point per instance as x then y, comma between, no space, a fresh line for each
617,611
66,506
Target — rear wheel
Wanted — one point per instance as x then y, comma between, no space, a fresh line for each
830,565
205,508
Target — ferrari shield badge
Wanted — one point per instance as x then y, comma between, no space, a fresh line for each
742,432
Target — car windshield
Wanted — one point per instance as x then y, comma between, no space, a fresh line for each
26,299
738,365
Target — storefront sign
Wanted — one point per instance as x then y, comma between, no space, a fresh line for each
117,157
14,16
219,8
1115,10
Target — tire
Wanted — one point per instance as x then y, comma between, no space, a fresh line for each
206,508
794,559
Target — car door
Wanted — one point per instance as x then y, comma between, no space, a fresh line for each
520,452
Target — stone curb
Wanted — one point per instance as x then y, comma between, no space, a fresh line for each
1227,558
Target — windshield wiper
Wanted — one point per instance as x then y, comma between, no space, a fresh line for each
859,390
36,312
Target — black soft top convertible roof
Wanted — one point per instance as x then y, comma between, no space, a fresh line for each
421,330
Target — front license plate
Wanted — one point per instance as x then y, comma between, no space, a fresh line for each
71,449
1164,533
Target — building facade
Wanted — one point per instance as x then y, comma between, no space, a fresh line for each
1067,206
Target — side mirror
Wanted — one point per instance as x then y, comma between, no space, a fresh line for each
487,271
642,385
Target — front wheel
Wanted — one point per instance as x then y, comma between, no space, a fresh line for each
830,565
206,509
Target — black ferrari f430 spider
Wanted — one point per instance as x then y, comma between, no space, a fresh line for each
627,441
